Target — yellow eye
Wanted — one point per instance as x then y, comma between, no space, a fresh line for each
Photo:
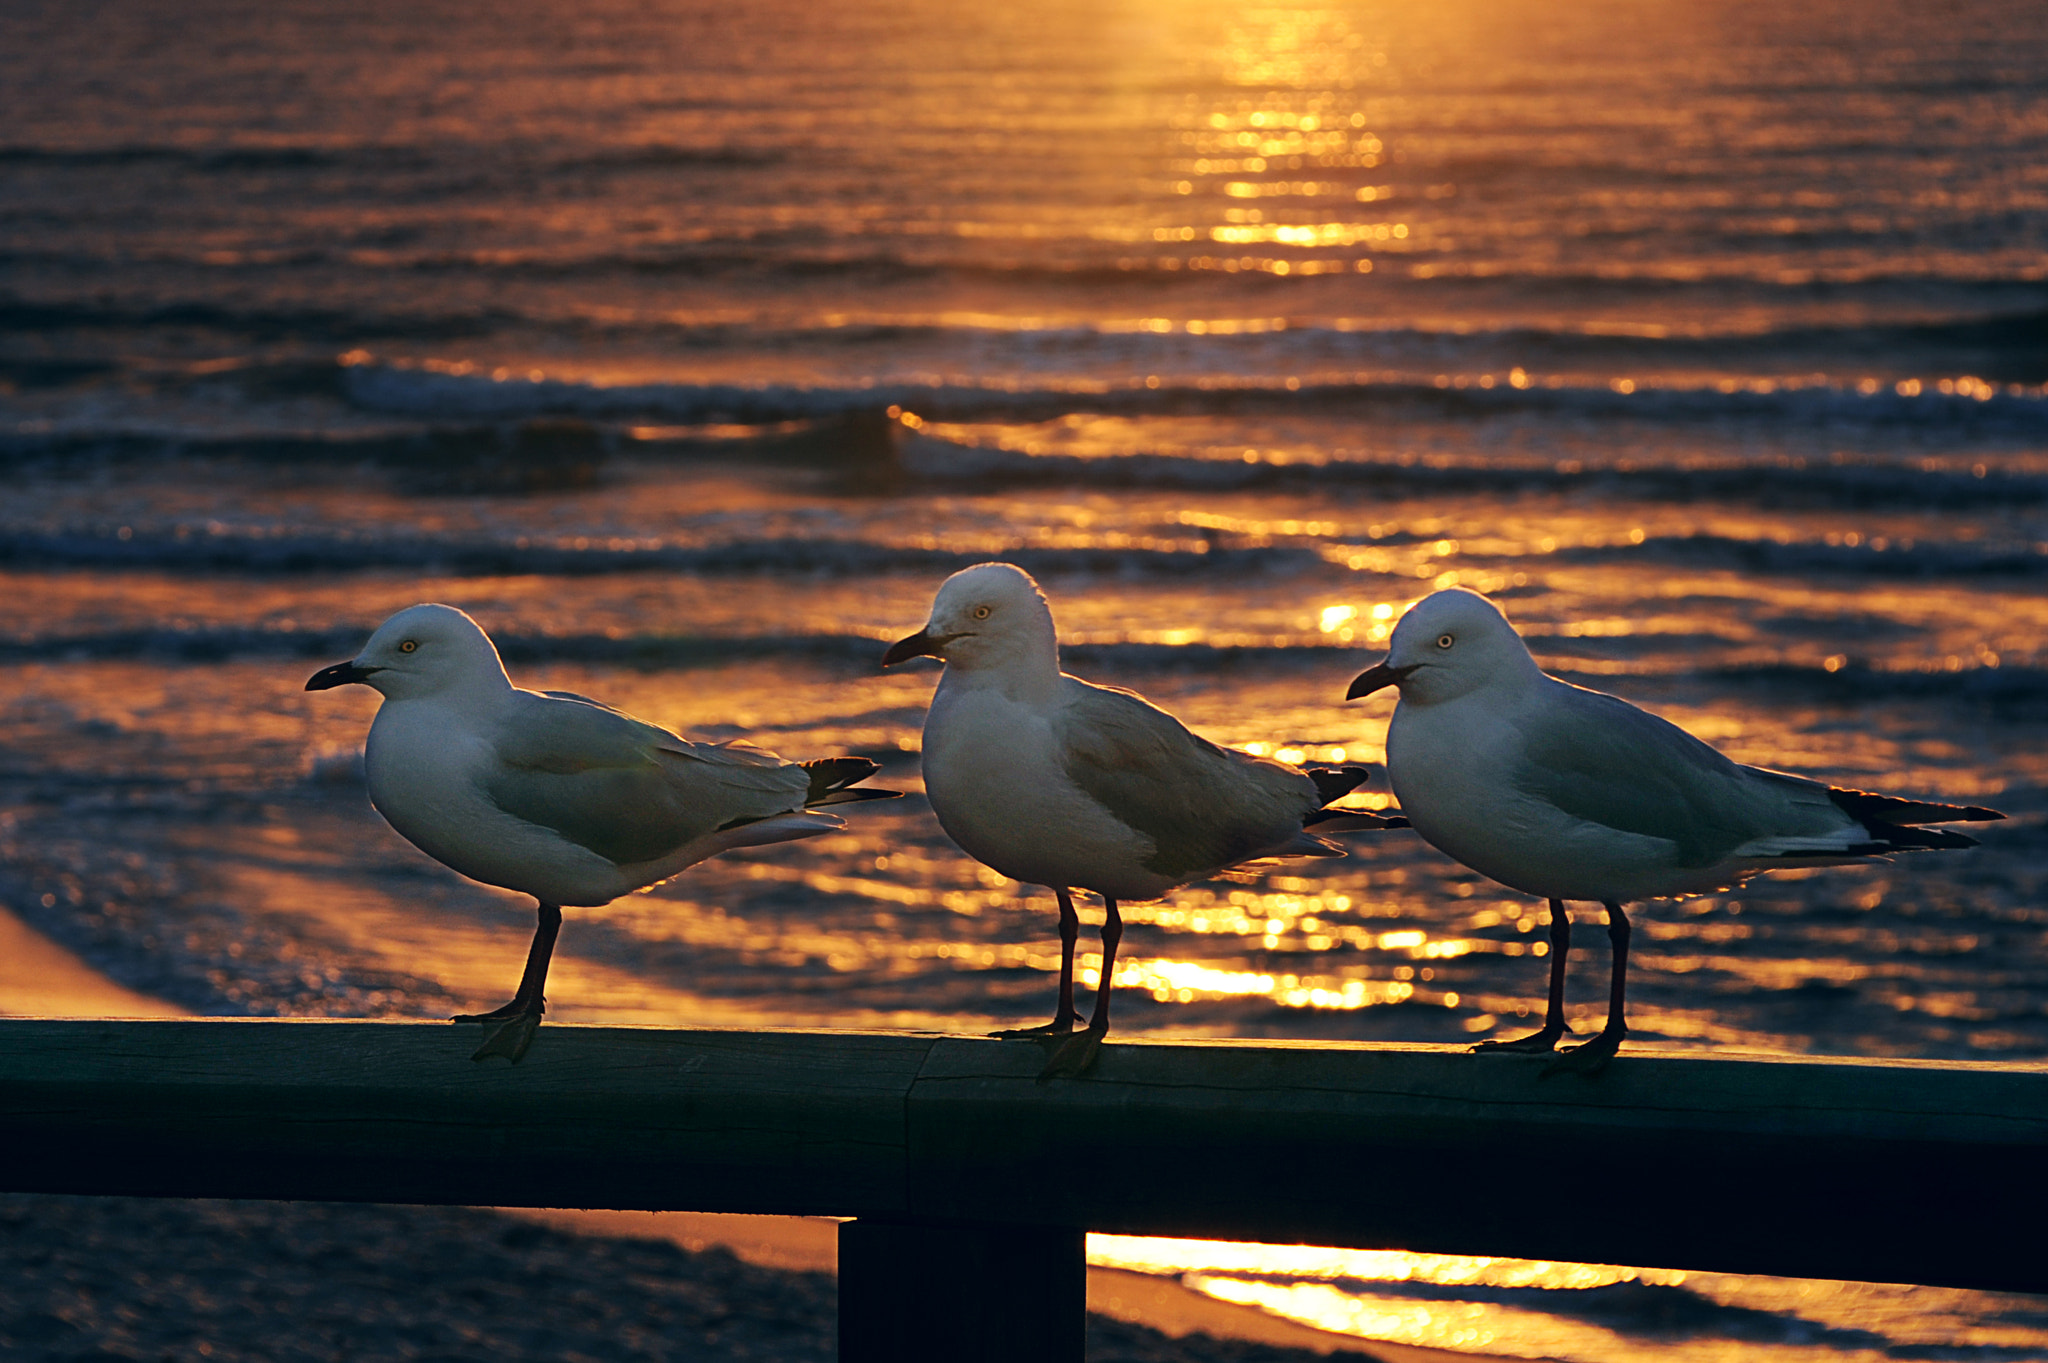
981,612
1444,641
408,646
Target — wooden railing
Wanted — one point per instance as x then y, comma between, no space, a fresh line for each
971,1184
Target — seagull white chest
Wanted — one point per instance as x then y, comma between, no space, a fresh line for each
1444,769
993,772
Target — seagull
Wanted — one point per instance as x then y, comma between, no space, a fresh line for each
1055,781
556,795
1566,793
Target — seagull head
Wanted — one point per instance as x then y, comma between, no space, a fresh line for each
1449,643
421,651
990,615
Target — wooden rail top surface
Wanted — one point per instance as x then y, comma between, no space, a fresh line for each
1907,1171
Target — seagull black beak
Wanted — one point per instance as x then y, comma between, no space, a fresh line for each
918,645
341,674
1375,678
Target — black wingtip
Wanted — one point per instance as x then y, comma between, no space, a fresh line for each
1893,811
1334,783
832,776
854,796
1903,838
1350,820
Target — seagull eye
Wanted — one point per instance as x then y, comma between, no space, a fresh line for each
981,612
1444,641
408,646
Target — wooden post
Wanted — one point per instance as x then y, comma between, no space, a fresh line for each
957,1292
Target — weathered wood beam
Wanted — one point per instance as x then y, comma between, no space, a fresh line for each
1890,1171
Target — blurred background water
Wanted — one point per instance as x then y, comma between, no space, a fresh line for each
689,347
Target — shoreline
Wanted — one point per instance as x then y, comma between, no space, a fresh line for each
39,978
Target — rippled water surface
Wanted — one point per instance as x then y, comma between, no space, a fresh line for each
689,348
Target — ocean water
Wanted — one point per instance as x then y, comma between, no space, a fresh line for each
690,347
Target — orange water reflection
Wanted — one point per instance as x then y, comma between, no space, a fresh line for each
1335,1290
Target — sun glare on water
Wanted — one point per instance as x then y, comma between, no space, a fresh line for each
1521,1308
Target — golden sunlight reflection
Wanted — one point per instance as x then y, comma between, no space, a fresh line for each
1335,1290
1163,1255
1187,981
1245,1274
1461,1325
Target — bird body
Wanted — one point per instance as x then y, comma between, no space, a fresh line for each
1587,797
553,794
1096,788
1567,793
1056,781
994,776
568,800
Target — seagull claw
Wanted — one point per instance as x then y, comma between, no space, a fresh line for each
510,1040
1588,1059
1075,1057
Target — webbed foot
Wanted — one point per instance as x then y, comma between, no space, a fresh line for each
1075,1057
1588,1059
510,1040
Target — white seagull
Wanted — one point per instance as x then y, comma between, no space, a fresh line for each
555,795
1057,782
1566,793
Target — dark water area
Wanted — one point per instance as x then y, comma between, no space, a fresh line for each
689,348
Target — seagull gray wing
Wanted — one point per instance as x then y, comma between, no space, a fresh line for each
1204,807
1600,759
625,789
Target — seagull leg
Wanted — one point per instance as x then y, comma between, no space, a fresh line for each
535,977
1077,1053
1064,1017
1553,1016
1592,1057
523,1014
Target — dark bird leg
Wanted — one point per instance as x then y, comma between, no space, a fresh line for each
1553,1016
523,1014
1592,1057
1077,1053
1064,1018
1112,934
